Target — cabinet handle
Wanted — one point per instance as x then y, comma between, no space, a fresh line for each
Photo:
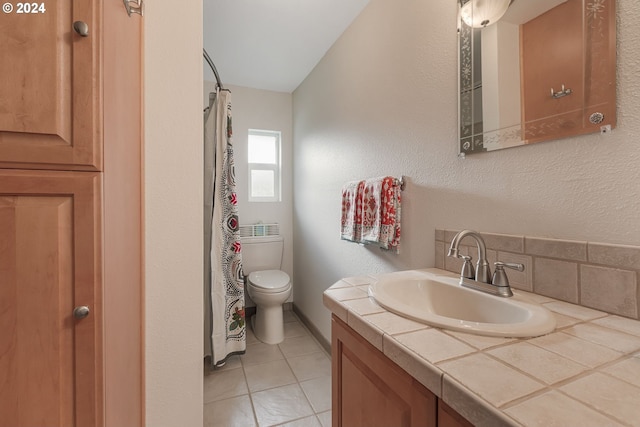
81,311
81,28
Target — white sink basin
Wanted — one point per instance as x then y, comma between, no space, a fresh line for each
438,300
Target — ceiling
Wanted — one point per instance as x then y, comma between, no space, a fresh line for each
272,44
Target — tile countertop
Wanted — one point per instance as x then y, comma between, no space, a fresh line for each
585,373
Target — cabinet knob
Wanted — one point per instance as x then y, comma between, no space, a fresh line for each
81,311
81,28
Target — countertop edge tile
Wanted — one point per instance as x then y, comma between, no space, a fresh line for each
367,330
341,284
425,373
358,280
471,406
335,306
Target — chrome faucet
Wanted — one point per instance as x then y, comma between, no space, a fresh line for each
483,272
482,280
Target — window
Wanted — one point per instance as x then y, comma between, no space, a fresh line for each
264,166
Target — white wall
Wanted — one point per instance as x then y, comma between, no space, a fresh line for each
173,218
383,101
263,110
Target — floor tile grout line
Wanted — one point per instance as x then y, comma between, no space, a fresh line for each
255,415
279,386
312,336
315,414
246,383
300,385
224,397
294,420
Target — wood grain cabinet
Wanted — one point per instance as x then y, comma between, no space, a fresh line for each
71,217
49,252
369,390
50,108
448,417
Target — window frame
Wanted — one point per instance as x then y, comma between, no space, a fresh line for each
275,167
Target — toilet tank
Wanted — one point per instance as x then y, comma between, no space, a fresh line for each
261,253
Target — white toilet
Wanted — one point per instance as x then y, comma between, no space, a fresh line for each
267,286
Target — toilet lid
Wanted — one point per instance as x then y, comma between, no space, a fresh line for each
269,280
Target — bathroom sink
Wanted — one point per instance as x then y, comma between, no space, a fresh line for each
438,300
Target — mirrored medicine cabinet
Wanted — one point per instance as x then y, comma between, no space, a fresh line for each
545,70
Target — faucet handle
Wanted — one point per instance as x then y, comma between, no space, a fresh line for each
500,276
468,271
512,265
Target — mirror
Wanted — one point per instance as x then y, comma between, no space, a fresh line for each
545,70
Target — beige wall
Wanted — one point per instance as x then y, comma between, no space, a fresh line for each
262,110
265,110
173,219
383,102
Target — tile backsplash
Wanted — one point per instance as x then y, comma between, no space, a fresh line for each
595,275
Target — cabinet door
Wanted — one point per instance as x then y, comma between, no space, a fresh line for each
50,99
584,61
370,390
50,364
448,417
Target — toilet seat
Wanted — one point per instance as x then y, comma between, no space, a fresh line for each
269,281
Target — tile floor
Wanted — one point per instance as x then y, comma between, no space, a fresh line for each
288,384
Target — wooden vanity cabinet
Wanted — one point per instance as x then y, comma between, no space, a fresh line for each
369,390
71,282
448,417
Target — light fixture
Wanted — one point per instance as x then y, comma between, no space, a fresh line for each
480,13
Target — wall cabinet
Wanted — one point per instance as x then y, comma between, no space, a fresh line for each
71,217
50,109
50,249
369,390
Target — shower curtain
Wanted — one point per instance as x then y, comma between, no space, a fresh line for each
225,332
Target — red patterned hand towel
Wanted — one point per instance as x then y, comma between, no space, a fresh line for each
371,212
351,220
381,212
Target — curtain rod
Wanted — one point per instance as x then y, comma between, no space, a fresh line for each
213,68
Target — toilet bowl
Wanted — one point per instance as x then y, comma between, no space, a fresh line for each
269,289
